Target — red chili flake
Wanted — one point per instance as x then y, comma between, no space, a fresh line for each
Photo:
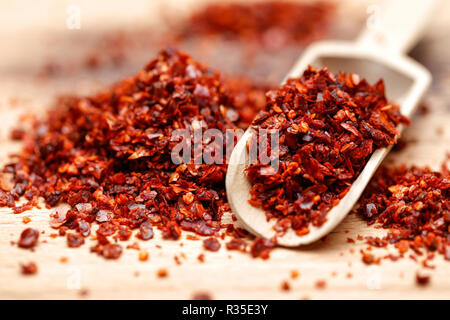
145,231
74,240
17,134
124,233
29,268
422,280
84,292
172,231
350,240
111,251
285,286
162,273
84,228
143,255
321,284
6,199
369,258
295,274
134,246
28,238
211,244
423,109
261,248
202,296
26,220
201,258
413,204
236,244
192,237
269,23
63,259
323,146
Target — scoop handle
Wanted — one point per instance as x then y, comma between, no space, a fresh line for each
396,25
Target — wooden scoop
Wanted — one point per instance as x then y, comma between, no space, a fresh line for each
378,53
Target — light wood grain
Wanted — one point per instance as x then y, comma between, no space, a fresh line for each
224,274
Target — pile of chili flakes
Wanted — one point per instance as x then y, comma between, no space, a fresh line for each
272,24
328,125
109,158
413,203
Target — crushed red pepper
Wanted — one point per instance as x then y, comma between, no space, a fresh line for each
285,286
202,296
106,159
29,268
162,273
422,280
272,24
328,125
211,244
413,203
321,284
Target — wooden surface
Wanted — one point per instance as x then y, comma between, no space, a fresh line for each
224,274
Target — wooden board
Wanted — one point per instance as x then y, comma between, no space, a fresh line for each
224,275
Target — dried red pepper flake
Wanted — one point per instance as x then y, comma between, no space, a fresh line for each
236,244
271,24
413,203
172,231
321,284
201,257
17,133
422,280
369,258
28,238
261,248
29,268
74,240
145,231
202,295
143,255
6,199
162,273
26,220
329,125
111,251
285,286
211,244
84,292
124,233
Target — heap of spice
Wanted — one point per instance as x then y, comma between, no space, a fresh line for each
328,125
413,203
269,23
109,158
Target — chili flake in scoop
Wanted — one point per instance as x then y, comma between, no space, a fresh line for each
329,125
